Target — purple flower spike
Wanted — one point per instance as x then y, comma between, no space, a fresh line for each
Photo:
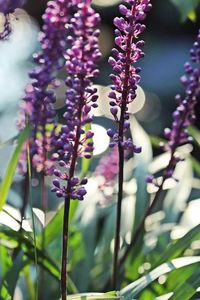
184,114
40,97
124,56
81,58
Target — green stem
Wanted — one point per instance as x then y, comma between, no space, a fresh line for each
65,249
44,208
67,208
33,220
125,94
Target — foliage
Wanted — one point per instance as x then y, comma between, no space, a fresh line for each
163,264
187,8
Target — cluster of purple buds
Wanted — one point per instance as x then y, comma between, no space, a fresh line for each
184,115
38,102
126,75
7,7
76,191
81,57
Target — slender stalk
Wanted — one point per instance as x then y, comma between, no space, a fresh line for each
44,208
118,218
25,197
125,95
67,209
65,249
32,216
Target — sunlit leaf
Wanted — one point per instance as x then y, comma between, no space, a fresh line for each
177,248
94,296
5,261
11,277
186,8
8,178
188,288
177,197
133,289
140,138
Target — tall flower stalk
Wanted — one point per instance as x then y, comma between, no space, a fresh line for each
178,135
38,102
125,80
74,141
37,106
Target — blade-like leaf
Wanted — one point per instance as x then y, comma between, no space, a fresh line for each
195,133
12,276
186,7
7,181
94,296
137,286
55,226
177,197
188,288
5,261
142,160
176,249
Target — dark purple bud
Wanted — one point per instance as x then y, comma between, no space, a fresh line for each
114,111
137,149
110,133
57,173
149,178
74,181
84,181
56,182
81,191
59,194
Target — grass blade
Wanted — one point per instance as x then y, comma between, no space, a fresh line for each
176,249
186,290
8,178
133,289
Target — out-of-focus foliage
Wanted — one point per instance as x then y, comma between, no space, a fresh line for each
169,250
187,8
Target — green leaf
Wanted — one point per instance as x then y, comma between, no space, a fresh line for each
94,296
133,289
8,178
12,276
53,228
186,8
177,277
186,290
192,16
176,249
142,160
29,283
195,133
20,238
195,164
177,197
5,261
